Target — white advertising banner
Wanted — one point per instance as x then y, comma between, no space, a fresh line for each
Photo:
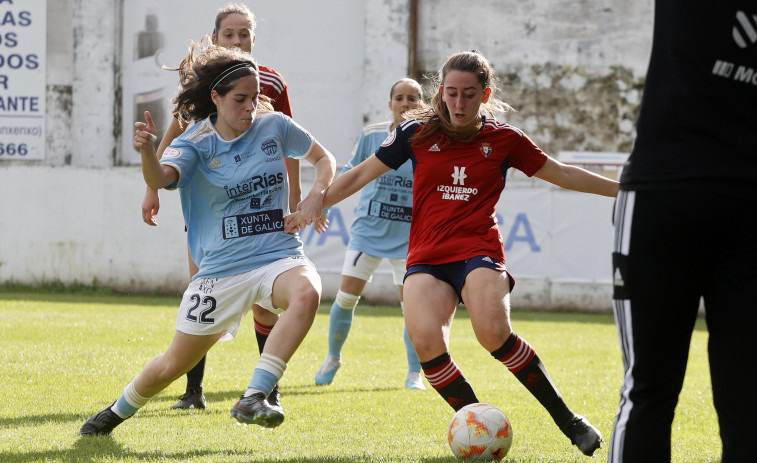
557,242
23,53
548,233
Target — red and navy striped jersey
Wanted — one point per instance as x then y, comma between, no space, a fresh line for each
456,187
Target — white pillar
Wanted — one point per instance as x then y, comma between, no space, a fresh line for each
387,40
96,32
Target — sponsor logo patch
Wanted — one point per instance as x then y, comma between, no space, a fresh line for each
390,211
745,30
256,223
171,153
458,177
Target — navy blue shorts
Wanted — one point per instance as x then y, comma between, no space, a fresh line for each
454,273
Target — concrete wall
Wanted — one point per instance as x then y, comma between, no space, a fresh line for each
573,70
339,68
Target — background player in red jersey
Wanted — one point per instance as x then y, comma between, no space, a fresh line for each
456,254
234,28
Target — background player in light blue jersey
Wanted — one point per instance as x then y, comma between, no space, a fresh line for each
380,230
231,174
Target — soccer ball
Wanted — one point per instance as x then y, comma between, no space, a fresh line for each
480,432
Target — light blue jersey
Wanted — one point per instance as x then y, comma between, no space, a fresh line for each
382,218
235,194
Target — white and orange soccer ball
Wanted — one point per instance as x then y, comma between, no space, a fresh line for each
480,432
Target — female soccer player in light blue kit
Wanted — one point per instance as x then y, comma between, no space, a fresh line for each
232,178
380,230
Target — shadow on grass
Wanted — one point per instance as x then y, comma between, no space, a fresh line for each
97,448
36,420
161,405
30,421
164,401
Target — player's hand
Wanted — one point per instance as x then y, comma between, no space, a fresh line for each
150,206
292,222
322,224
310,208
145,133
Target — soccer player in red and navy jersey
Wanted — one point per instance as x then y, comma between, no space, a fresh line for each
456,254
234,27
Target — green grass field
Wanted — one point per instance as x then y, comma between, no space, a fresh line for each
65,356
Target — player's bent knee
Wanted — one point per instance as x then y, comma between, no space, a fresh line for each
307,298
426,344
492,339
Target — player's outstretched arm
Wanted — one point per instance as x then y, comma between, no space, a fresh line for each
311,207
343,187
150,206
151,202
156,176
576,178
354,179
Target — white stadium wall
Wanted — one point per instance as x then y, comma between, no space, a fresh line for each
573,71
85,228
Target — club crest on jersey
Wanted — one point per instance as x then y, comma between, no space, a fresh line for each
390,139
486,149
215,164
269,147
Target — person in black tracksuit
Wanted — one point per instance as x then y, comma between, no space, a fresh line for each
686,227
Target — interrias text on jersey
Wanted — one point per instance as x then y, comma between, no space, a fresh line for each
258,182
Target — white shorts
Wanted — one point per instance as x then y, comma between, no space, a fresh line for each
361,265
213,305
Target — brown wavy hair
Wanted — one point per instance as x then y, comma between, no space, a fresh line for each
197,73
435,118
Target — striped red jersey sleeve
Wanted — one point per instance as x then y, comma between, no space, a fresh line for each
273,85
